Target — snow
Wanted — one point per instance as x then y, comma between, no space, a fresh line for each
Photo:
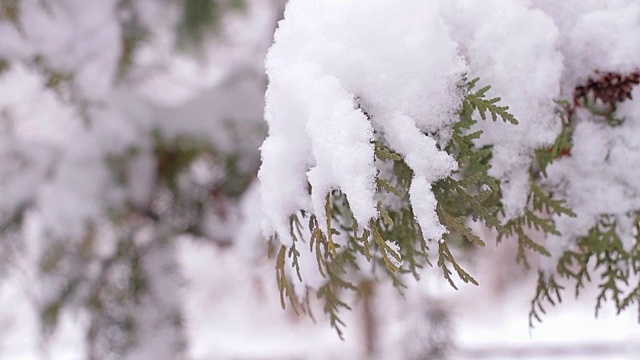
394,246
600,175
515,51
329,59
221,316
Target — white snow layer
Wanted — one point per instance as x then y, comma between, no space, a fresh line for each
512,48
329,59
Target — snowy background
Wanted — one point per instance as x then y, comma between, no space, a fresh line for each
85,127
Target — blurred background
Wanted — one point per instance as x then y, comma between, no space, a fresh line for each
130,217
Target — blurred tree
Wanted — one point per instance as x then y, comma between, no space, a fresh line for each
107,173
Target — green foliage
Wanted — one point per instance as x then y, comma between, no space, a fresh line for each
537,216
600,254
477,102
176,156
133,36
281,277
109,300
469,194
547,289
111,287
4,66
603,253
332,264
10,11
563,143
444,257
200,18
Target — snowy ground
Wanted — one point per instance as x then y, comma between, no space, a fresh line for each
235,314
498,328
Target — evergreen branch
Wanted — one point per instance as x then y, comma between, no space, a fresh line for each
480,211
317,238
561,147
294,224
477,101
515,228
543,202
469,181
330,231
385,249
469,193
365,240
444,257
385,154
547,289
294,254
384,214
533,221
383,184
332,305
457,225
283,284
